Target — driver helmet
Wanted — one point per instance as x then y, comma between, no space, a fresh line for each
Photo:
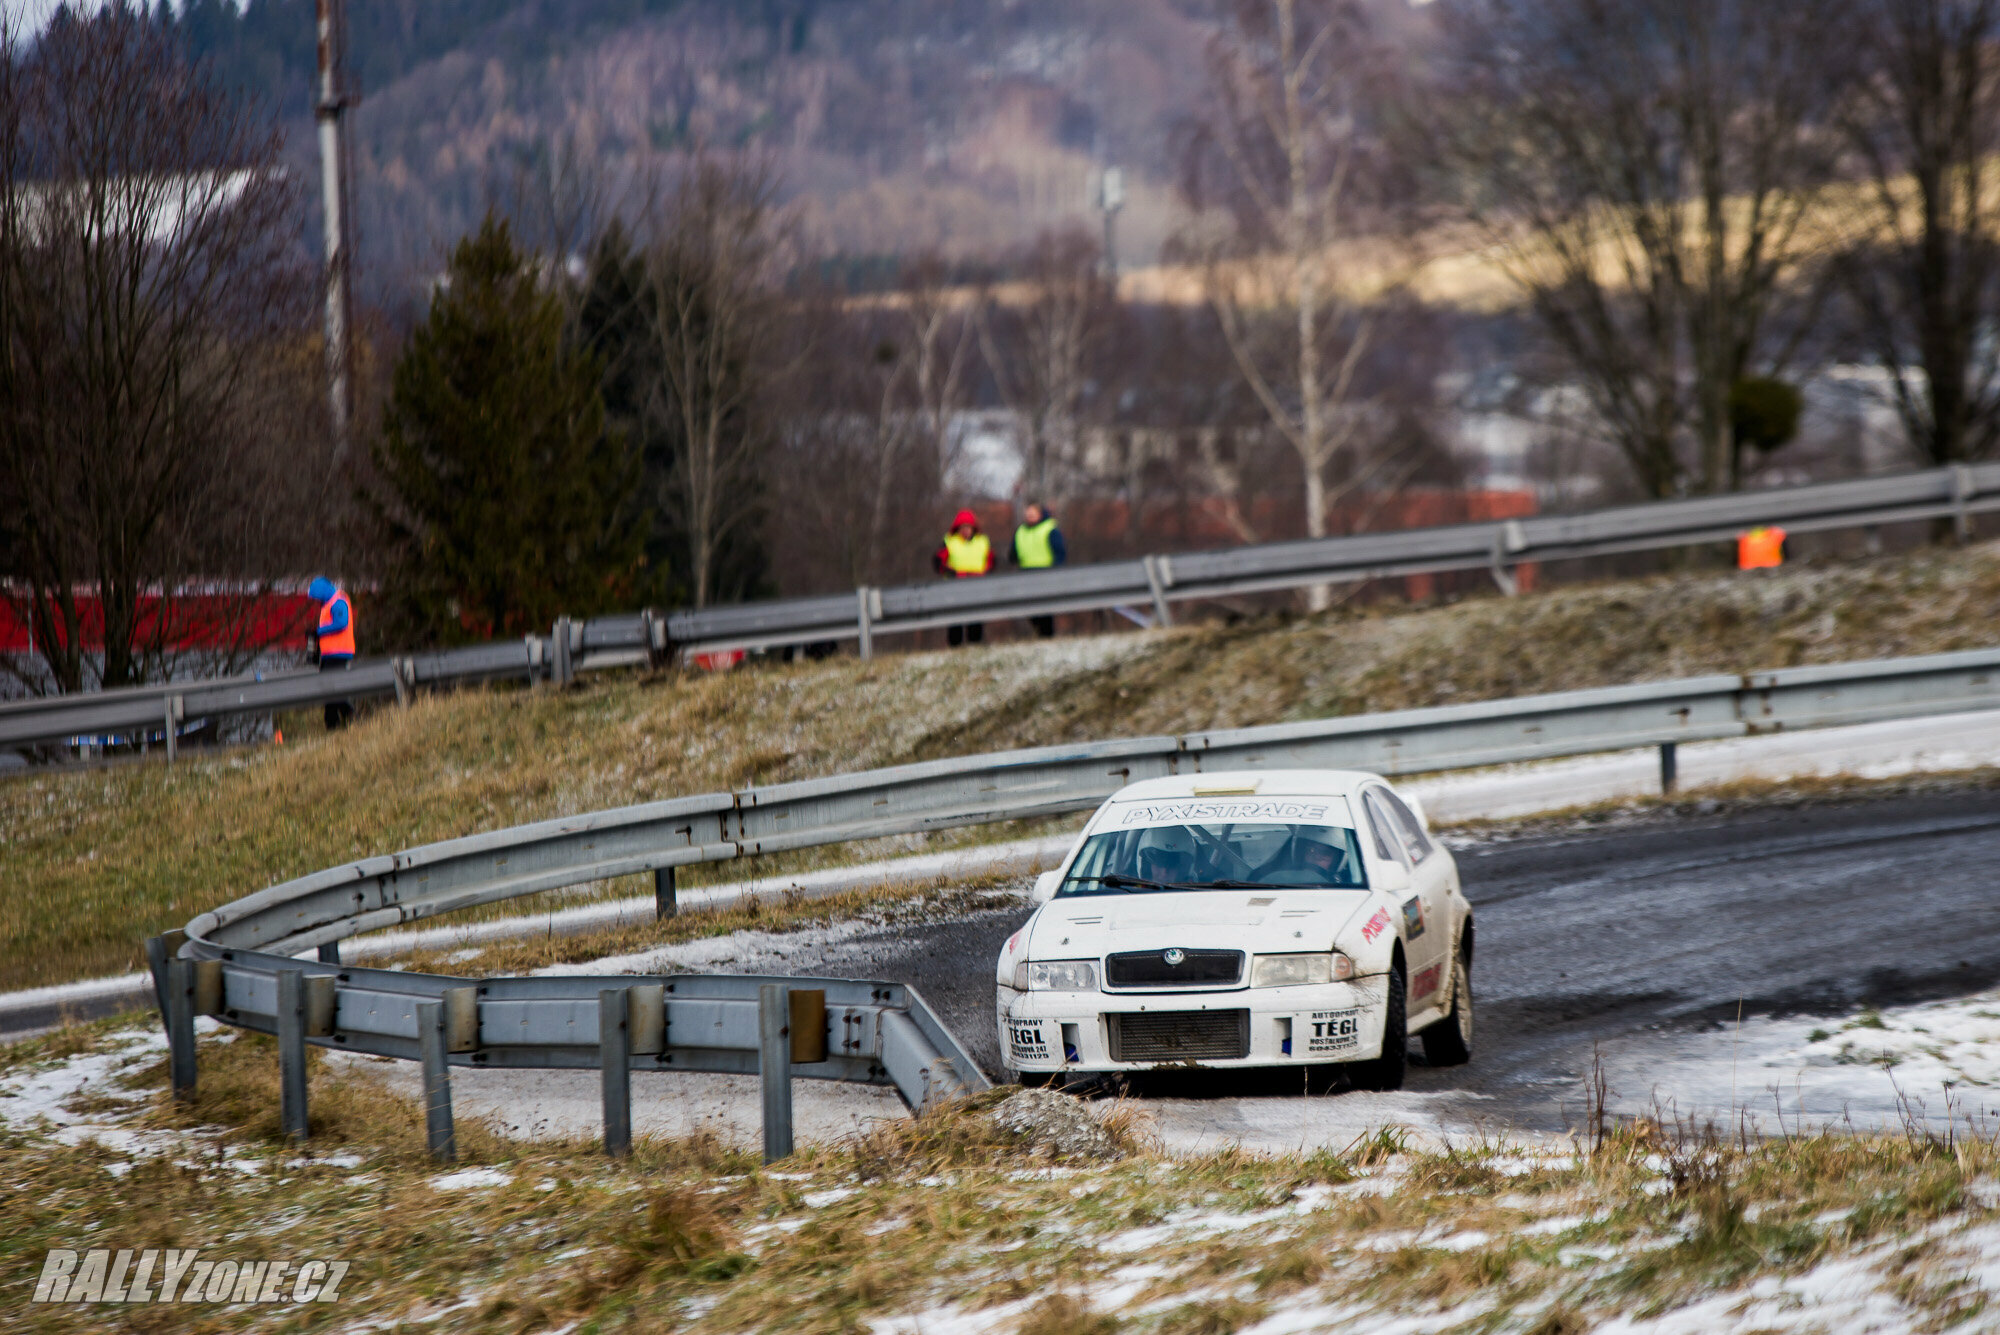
1167,855
1318,853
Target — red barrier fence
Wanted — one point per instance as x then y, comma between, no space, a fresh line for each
212,619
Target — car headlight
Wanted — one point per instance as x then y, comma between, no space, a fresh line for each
1300,970
1062,976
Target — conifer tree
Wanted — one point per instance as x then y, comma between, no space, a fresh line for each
510,502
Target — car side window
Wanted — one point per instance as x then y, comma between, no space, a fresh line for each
1387,846
1418,842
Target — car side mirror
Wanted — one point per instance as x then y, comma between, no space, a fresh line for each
1046,886
1391,876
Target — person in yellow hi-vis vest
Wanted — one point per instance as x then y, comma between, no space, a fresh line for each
1760,548
1038,545
965,553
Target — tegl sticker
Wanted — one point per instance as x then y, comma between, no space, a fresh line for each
1027,1043
1333,1031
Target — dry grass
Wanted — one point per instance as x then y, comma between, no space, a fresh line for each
99,860
95,861
939,1214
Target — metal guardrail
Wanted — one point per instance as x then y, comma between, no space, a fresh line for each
238,961
1156,582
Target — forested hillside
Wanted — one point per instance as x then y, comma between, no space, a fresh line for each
969,124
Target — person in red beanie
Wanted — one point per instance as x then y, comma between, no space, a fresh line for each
965,553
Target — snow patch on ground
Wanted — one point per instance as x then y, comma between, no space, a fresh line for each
80,1098
468,1179
1936,1062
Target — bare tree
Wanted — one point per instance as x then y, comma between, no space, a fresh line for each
149,287
713,313
1925,123
1650,174
869,432
1042,341
1284,169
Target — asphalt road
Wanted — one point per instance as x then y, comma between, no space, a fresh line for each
1660,926
1667,922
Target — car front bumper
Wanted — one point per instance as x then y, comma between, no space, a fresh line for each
1144,1031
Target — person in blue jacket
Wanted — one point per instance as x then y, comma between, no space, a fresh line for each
335,639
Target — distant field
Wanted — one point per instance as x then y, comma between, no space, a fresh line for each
94,861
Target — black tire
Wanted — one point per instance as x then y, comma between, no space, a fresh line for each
1449,1041
1386,1071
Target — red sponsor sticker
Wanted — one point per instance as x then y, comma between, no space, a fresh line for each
1427,980
1375,926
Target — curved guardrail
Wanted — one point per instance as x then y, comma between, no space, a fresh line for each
238,962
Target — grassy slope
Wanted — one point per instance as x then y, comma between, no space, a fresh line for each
93,861
942,1216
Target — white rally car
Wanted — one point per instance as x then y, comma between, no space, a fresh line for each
1257,918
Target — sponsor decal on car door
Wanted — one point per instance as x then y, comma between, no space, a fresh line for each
1425,929
1431,879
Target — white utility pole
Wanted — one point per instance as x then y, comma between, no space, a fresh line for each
1111,198
330,109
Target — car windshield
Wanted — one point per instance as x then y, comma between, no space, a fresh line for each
1220,856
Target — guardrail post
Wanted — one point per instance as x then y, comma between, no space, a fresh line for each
653,630
329,952
1157,573
1669,767
437,1082
666,895
563,671
774,1068
1507,538
173,989
156,964
175,712
865,622
1961,492
614,1050
403,671
292,1054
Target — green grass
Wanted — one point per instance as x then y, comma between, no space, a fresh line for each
96,860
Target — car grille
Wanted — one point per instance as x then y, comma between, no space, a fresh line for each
1172,1036
1197,968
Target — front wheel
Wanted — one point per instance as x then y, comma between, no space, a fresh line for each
1449,1041
1386,1071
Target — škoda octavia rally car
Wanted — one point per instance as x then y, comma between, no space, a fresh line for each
1262,918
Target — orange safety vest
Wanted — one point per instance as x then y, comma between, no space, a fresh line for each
339,643
1760,549
967,556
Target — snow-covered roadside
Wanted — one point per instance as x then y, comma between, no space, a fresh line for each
1937,1063
1867,751
1376,1238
